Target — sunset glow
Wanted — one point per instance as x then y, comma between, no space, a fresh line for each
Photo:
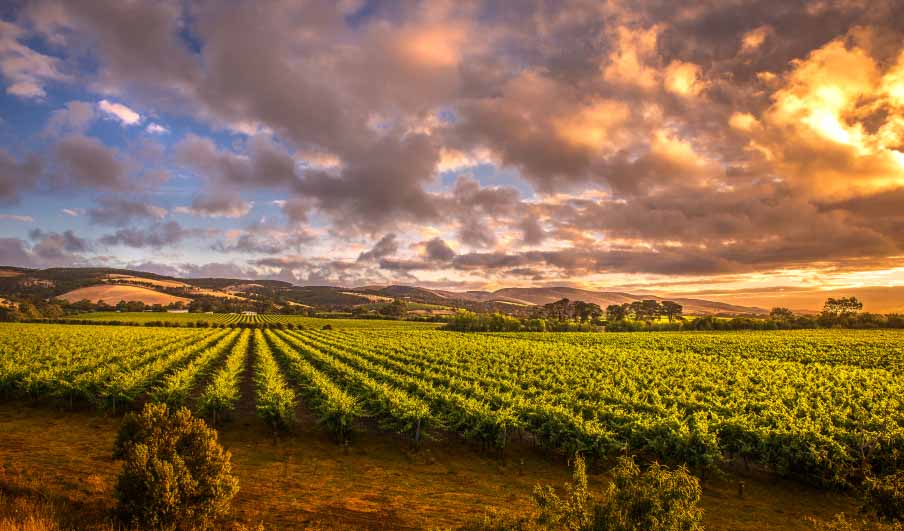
727,151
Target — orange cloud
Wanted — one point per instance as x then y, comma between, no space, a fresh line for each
683,78
835,123
594,126
629,63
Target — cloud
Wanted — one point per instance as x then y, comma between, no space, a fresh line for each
155,236
387,246
603,139
217,205
264,237
156,129
50,248
17,177
121,212
438,250
86,162
75,117
15,217
118,111
24,69
15,252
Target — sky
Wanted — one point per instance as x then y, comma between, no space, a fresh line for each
708,147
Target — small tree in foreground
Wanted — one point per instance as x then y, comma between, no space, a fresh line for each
176,474
658,499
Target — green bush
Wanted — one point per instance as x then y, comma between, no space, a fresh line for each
658,499
175,475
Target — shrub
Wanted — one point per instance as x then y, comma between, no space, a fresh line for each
885,496
658,499
175,474
575,511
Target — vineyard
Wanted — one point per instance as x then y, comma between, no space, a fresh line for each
237,318
823,406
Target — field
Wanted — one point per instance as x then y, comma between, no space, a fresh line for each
113,293
813,406
232,318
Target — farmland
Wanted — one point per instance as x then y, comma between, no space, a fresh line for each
816,406
235,318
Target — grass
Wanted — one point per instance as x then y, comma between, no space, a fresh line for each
59,463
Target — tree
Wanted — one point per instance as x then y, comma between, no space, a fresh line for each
842,306
781,314
52,311
646,310
396,308
672,310
560,310
586,311
616,312
175,474
30,311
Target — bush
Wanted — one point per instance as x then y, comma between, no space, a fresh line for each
658,499
175,474
327,327
576,511
885,496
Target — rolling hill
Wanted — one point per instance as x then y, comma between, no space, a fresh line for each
113,293
41,284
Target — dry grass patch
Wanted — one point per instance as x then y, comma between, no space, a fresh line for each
112,294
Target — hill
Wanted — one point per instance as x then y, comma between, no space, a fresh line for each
41,284
540,296
113,293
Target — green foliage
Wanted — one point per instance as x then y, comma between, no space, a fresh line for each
658,499
842,306
175,473
819,406
574,512
275,401
335,408
884,496
222,392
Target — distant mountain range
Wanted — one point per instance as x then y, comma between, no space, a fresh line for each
113,285
540,296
